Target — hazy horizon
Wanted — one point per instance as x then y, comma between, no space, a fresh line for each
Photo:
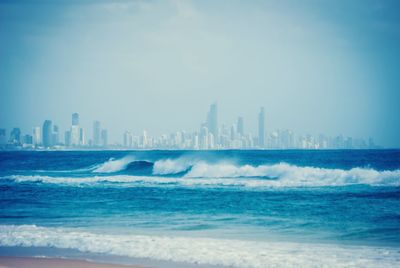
316,66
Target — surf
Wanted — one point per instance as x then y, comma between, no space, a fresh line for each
199,250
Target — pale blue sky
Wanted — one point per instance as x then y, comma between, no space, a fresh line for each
316,66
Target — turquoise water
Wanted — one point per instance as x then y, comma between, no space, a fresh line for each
225,208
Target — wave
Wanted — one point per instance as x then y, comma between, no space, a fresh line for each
113,165
297,176
130,163
198,250
273,176
172,166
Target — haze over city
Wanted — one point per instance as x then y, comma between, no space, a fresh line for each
316,67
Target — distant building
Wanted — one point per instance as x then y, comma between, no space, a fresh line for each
75,119
15,136
28,139
56,135
212,121
37,136
82,137
75,135
47,131
67,138
204,138
144,140
261,128
128,139
96,133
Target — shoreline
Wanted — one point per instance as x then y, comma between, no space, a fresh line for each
45,262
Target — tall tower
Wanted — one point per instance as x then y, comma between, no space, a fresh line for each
212,121
47,132
261,128
37,136
96,133
75,119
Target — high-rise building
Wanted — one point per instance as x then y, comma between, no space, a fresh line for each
261,128
37,136
82,137
28,139
212,121
15,136
204,138
67,138
47,131
104,138
128,139
56,135
2,136
143,139
240,126
75,119
75,135
96,133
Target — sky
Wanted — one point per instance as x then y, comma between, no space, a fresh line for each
317,66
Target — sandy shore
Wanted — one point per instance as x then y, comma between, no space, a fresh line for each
29,262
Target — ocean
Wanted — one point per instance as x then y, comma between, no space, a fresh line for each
231,208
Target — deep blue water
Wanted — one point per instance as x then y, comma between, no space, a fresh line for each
311,197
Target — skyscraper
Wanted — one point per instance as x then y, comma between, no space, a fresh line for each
15,136
96,133
212,121
82,137
67,138
128,139
37,136
75,119
261,128
47,131
240,126
75,135
56,135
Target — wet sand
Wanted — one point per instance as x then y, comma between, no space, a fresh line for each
30,262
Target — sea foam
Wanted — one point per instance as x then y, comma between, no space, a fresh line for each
197,250
113,165
278,176
172,166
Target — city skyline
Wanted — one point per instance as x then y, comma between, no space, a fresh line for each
315,66
210,136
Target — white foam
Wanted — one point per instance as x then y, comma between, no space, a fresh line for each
171,166
228,175
207,251
89,180
289,175
114,165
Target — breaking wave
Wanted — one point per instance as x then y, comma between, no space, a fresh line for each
198,250
114,165
172,166
226,175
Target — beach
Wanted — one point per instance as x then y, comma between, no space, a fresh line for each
30,262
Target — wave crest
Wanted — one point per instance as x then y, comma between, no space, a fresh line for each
114,165
258,178
171,166
290,175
